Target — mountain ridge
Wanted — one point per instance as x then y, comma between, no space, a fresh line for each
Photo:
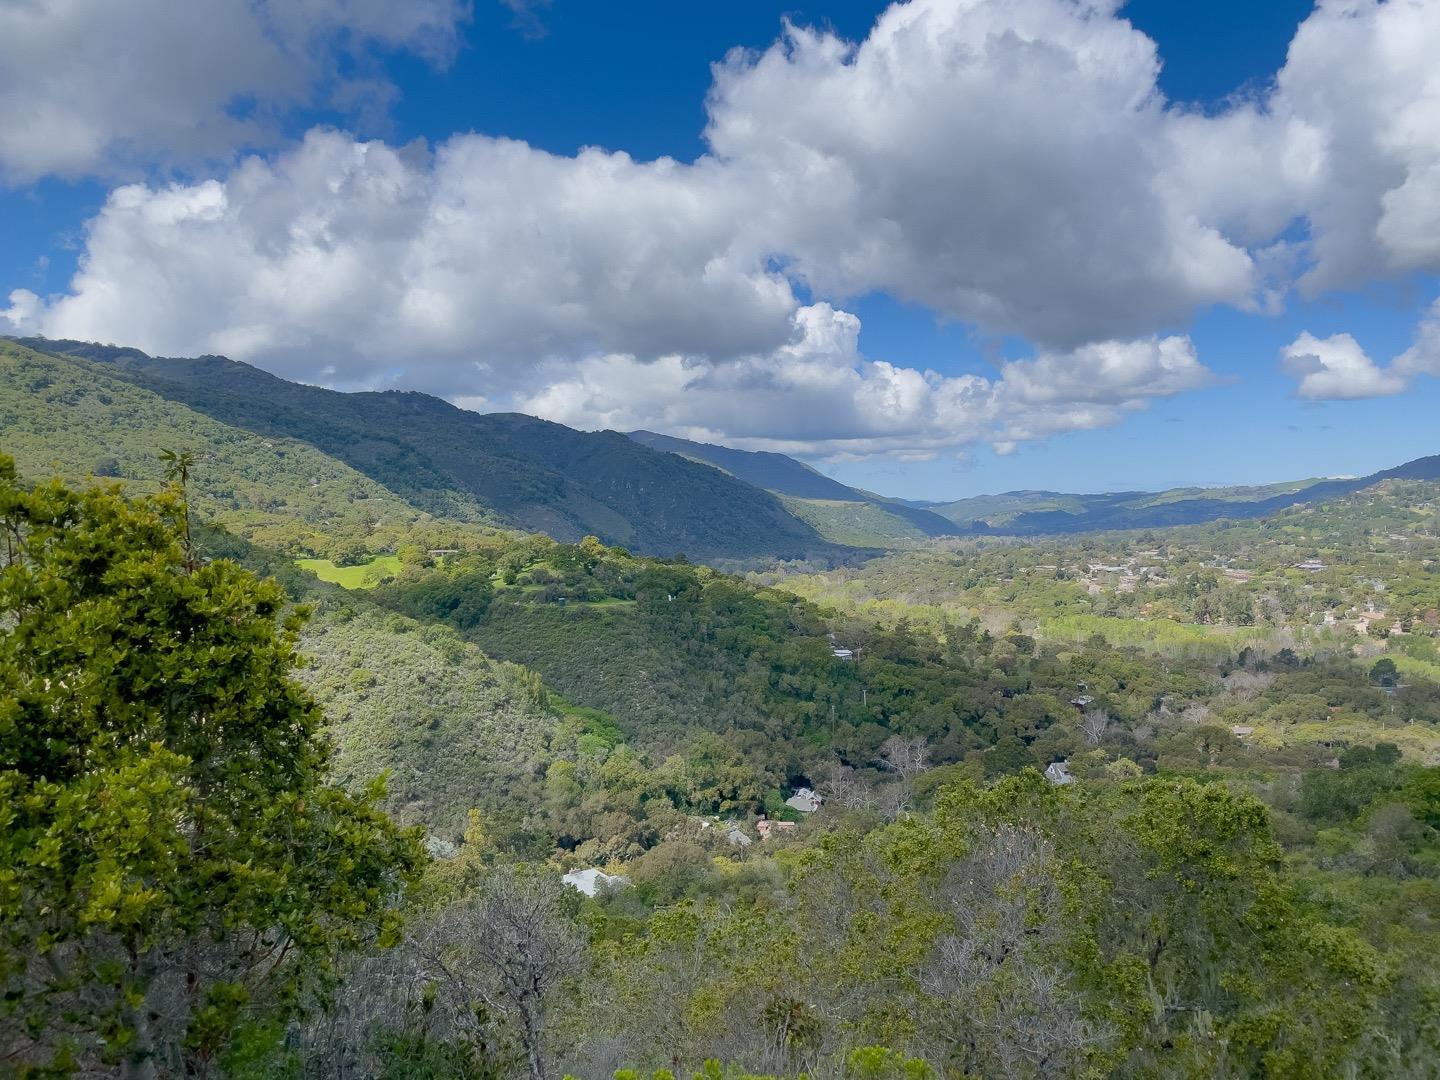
655,493
533,474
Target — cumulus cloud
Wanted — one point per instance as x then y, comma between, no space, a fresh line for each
93,86
818,396
456,271
1007,163
1361,77
1336,368
1001,163
23,314
1423,358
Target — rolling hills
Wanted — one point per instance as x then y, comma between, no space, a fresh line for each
448,462
344,464
1039,513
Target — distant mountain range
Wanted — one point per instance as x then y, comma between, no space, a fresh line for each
1036,513
283,449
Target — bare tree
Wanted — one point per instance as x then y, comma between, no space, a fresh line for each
846,789
1001,973
1195,714
906,757
1094,725
511,947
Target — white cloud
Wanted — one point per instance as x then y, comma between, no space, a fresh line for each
818,396
1336,368
1008,163
1423,358
1362,77
353,263
1004,163
95,86
23,314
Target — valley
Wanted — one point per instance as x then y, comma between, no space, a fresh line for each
816,733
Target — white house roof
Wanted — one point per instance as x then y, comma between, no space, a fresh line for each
1058,772
591,880
804,800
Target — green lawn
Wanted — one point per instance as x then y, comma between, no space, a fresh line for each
366,576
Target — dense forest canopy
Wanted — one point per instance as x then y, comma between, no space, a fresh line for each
1229,869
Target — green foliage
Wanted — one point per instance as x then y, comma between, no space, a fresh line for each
174,862
364,573
65,415
462,465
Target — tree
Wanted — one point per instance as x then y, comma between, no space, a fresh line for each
1384,672
1094,724
174,868
906,757
510,945
1008,755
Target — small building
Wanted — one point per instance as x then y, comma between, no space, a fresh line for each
1310,564
1367,619
591,881
767,828
1058,772
1082,701
1240,731
842,654
805,800
737,837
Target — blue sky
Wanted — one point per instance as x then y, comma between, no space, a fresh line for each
635,78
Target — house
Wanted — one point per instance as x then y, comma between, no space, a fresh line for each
1366,619
1310,564
1081,702
591,881
1058,772
765,827
804,800
1241,730
736,836
842,654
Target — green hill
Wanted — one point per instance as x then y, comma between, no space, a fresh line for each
69,417
450,462
842,514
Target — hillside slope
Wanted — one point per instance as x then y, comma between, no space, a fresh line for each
530,473
66,416
840,513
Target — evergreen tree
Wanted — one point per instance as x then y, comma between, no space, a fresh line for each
176,874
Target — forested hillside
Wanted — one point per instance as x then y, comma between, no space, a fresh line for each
1156,802
525,472
1246,832
67,416
843,514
